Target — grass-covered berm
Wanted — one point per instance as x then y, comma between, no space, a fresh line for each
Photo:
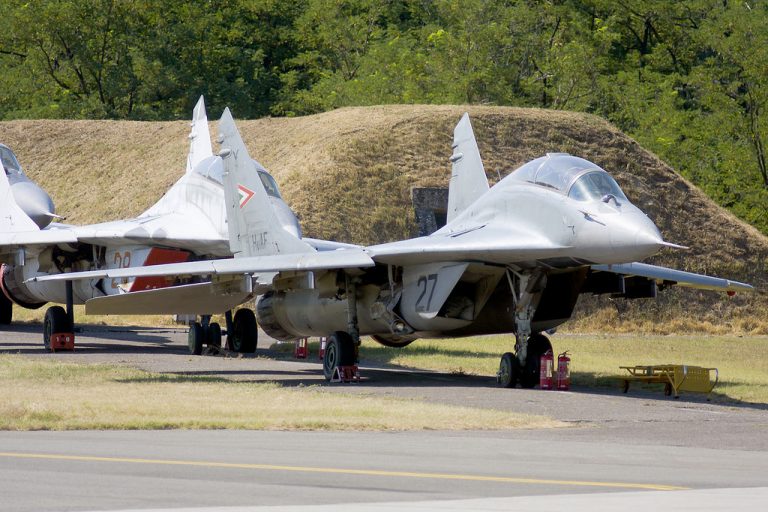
348,174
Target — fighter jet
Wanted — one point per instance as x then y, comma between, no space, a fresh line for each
187,224
512,258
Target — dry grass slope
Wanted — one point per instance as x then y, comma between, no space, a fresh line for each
348,174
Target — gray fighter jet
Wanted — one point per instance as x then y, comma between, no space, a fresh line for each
188,223
511,259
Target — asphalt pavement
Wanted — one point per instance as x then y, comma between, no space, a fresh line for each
635,452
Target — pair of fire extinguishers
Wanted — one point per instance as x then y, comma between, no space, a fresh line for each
548,379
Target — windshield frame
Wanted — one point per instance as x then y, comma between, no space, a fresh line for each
615,191
269,183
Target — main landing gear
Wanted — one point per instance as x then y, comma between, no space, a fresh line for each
523,366
242,333
59,325
342,348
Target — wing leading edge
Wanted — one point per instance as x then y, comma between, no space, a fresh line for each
663,275
342,258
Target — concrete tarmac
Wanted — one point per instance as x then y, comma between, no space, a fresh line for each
640,451
47,471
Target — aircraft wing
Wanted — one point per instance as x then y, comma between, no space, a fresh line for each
48,236
484,243
145,230
663,275
343,258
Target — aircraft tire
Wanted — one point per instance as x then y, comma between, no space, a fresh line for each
6,310
508,371
245,333
538,344
56,321
339,351
213,336
195,339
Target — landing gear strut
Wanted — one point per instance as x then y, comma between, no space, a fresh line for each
523,366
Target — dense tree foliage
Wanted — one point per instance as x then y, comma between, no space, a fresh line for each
688,79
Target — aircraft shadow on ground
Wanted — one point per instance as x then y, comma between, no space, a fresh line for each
127,339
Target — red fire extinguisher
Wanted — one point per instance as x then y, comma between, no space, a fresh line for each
546,370
321,352
301,349
563,372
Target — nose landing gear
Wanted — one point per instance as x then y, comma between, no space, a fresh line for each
523,366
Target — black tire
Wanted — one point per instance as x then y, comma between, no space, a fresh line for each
339,351
508,371
538,345
668,389
6,310
213,336
245,333
195,339
56,321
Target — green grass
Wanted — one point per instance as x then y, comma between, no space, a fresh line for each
53,395
742,361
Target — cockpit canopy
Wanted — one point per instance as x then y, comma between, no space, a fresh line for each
213,169
575,177
270,185
9,161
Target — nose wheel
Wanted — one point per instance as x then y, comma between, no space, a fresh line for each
511,371
538,345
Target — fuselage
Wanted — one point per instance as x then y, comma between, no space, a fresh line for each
560,202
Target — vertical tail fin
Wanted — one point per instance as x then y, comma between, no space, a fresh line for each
199,137
200,149
254,229
468,180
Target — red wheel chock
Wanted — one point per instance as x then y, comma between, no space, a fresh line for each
62,341
346,374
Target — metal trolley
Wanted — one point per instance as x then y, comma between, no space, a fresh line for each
675,377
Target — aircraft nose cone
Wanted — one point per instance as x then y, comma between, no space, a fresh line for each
34,202
635,236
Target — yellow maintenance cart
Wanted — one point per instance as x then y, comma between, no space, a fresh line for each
675,377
